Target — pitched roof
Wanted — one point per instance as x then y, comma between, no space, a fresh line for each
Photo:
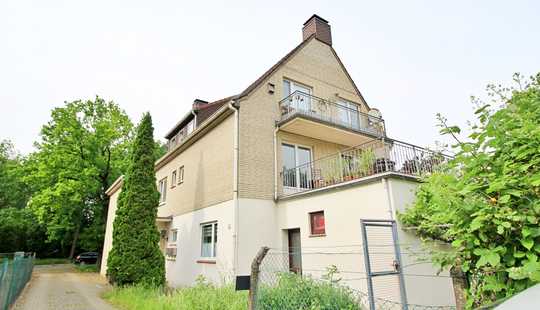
206,110
203,112
272,69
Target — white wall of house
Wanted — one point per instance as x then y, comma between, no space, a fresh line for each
256,228
343,208
107,242
189,264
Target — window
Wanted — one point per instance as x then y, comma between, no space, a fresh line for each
181,175
316,220
162,190
174,236
209,239
190,127
173,179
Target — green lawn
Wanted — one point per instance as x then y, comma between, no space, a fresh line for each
51,261
86,268
201,296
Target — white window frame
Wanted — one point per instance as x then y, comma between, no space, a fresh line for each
162,190
180,175
173,178
349,108
213,243
292,189
174,236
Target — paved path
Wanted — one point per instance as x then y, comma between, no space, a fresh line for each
62,287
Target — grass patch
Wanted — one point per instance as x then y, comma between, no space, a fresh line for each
51,261
201,296
296,292
86,268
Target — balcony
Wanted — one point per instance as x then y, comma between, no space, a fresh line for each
369,159
325,120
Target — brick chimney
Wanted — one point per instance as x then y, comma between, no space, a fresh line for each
197,103
318,26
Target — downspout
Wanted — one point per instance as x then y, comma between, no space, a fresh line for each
233,107
275,165
390,201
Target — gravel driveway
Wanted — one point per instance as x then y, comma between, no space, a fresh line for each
62,287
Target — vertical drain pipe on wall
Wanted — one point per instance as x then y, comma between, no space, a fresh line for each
232,106
275,165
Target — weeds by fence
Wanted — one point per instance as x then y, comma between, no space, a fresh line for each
15,272
332,277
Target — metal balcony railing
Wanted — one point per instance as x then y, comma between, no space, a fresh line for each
302,104
371,158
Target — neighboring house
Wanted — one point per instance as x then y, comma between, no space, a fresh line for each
296,160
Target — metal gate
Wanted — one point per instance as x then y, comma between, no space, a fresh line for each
382,261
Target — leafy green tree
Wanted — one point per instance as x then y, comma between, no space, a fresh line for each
82,151
486,204
13,192
135,256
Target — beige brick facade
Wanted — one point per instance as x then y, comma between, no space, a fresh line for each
208,172
314,65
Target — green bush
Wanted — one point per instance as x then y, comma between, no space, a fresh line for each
296,292
135,257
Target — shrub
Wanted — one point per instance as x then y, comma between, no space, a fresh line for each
135,256
296,292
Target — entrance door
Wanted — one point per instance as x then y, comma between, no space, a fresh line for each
295,251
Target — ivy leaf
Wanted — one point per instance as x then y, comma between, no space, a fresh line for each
527,243
488,257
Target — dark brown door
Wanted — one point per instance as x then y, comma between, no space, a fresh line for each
295,251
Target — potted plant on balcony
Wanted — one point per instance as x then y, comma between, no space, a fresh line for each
365,162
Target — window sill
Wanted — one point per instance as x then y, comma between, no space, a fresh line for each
317,235
170,258
206,261
162,204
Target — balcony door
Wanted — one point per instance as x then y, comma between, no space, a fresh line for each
348,114
301,100
296,167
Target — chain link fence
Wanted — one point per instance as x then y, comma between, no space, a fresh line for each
338,276
15,272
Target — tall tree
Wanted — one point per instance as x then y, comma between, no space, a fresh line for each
487,204
135,256
13,192
82,151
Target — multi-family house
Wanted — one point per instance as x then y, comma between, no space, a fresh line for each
294,161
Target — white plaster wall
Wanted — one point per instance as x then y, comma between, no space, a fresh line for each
184,270
257,228
342,245
420,289
107,242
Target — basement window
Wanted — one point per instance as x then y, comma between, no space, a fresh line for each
317,223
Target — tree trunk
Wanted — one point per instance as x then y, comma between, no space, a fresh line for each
74,242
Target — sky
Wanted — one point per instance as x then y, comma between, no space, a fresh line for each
410,59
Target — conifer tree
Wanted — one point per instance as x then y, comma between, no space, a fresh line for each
135,257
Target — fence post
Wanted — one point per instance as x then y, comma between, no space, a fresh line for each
459,282
254,279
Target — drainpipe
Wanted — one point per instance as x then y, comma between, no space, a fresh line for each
390,201
232,106
275,165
